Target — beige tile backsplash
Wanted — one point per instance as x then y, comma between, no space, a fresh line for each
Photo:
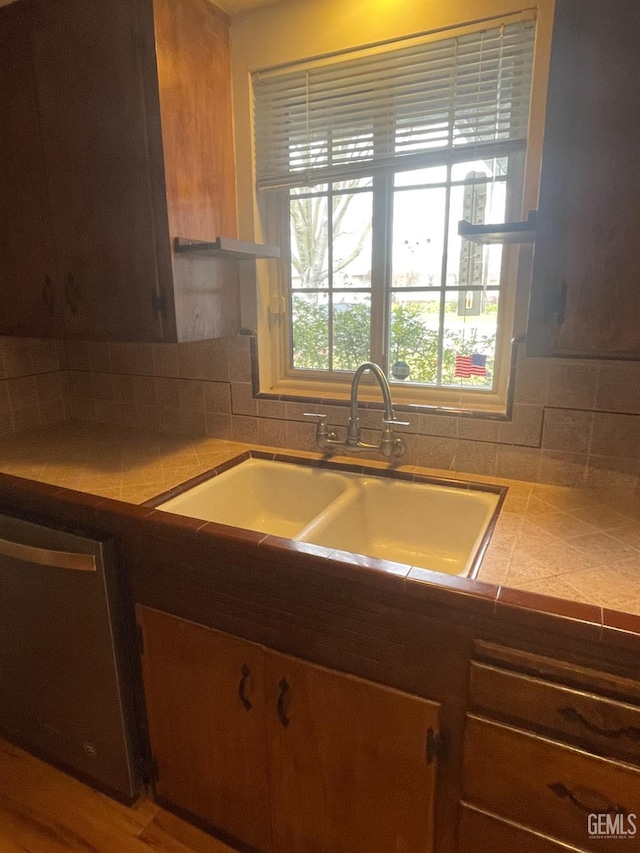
574,422
32,383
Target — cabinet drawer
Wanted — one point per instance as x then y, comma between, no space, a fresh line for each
481,832
594,722
545,785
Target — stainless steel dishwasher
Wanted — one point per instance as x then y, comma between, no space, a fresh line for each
65,684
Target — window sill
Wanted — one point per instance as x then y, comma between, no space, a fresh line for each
468,404
481,405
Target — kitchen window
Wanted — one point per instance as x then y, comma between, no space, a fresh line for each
365,164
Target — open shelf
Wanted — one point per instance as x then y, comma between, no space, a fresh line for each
226,247
500,232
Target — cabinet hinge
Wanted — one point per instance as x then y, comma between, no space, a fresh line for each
435,746
555,304
159,304
140,638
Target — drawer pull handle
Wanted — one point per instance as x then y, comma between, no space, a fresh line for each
602,806
573,716
282,715
245,672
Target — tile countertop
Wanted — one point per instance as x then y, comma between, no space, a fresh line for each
575,544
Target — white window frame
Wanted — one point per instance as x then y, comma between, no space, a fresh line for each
275,375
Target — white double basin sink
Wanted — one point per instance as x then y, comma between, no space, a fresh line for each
437,527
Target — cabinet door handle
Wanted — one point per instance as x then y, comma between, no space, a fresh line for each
49,294
601,807
72,294
245,672
574,716
282,715
47,556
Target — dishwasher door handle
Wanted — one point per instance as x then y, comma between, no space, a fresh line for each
47,556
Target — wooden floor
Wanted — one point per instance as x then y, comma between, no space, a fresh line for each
45,811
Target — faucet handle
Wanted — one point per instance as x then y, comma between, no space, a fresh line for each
394,422
321,420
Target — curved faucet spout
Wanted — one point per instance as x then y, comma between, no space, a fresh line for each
390,444
353,429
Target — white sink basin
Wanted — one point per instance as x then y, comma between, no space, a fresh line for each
258,494
420,524
430,526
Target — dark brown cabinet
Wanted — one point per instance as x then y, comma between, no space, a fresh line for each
281,754
27,257
116,140
585,297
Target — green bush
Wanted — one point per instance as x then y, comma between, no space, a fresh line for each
410,341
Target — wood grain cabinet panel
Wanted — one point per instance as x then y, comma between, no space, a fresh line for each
585,293
547,744
349,764
285,756
545,785
84,56
481,832
131,146
596,723
206,713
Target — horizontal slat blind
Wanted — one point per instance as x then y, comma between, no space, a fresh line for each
358,115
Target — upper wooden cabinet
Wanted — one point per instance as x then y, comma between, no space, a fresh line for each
586,278
116,139
27,258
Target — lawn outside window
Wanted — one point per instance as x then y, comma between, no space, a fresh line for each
365,165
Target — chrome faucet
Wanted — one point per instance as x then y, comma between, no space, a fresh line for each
390,444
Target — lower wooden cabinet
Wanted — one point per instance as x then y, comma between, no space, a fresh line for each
285,756
546,785
206,711
551,759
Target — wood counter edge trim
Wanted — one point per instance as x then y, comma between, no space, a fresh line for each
512,601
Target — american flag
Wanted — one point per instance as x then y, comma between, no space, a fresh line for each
471,365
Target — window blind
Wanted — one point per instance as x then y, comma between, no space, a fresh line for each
404,106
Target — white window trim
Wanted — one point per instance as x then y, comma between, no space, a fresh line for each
270,290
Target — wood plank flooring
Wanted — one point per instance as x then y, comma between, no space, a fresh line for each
45,811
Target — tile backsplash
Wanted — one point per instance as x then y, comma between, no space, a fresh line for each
32,379
574,422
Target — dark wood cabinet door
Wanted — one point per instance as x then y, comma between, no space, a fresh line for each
349,764
586,278
87,60
29,289
205,705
